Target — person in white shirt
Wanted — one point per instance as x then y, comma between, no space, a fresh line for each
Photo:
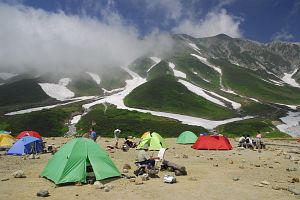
116,136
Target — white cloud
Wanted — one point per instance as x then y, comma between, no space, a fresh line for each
214,23
282,35
172,8
34,38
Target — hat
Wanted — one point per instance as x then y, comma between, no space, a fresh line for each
146,147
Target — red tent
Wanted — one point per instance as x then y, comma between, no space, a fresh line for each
212,143
29,133
298,140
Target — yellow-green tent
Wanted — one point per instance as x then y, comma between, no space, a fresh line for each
155,142
145,135
6,140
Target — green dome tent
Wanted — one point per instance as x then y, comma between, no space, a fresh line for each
186,137
155,142
69,164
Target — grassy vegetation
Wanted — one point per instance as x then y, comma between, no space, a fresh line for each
141,65
189,64
21,92
248,83
263,110
85,87
166,94
162,69
131,123
47,122
113,78
250,127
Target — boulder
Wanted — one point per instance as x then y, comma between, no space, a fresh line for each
126,166
98,185
19,174
42,193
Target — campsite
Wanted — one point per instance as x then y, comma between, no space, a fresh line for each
211,174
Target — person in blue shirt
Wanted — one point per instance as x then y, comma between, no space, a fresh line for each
93,134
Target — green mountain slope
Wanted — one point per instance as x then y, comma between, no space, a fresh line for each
166,94
22,92
250,84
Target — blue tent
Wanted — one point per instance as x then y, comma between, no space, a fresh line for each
26,145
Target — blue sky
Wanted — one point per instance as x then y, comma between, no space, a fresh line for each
261,20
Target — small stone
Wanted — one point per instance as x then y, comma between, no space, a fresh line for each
145,177
185,156
291,169
170,169
271,167
295,191
42,193
125,171
108,187
31,156
76,195
5,179
265,182
235,178
37,157
193,178
19,174
293,180
215,164
257,165
243,160
138,181
132,180
287,156
258,185
210,158
240,154
176,156
98,185
275,187
231,162
177,173
242,167
126,166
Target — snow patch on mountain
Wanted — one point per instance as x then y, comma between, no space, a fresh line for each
95,77
287,78
58,91
291,124
194,46
176,72
201,92
6,76
205,61
73,100
229,91
156,60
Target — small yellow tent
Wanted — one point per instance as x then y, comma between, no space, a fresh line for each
145,135
6,140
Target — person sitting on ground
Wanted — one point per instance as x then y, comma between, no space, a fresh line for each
143,157
129,142
249,143
242,141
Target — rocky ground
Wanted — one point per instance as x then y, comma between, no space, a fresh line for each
237,174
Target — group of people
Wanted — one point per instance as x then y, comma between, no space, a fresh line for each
252,143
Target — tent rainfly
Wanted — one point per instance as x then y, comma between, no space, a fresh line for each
155,142
186,137
70,163
26,145
6,140
212,143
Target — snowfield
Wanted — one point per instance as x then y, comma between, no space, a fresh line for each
287,78
95,77
176,72
58,91
291,124
156,60
205,61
